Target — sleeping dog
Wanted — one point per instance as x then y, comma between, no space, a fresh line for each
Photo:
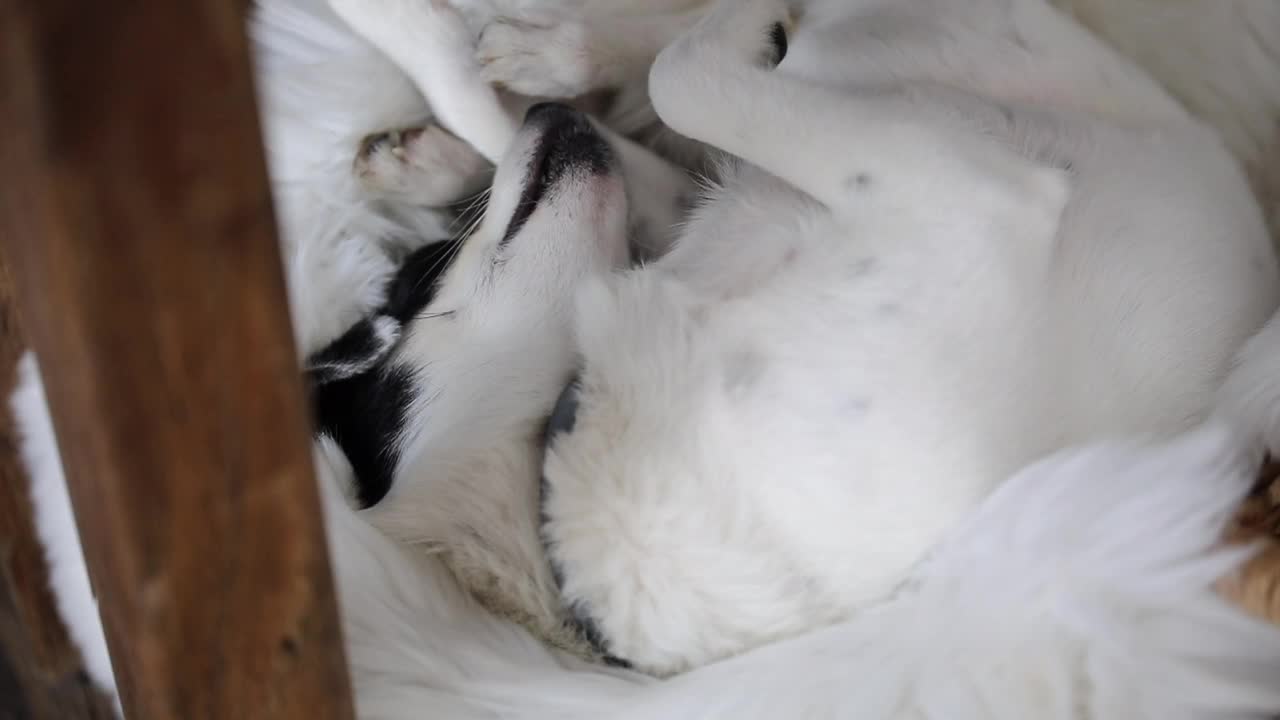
946,239
958,236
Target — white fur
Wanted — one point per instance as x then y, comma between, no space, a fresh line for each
1054,601
1074,586
555,52
1220,58
1251,396
843,356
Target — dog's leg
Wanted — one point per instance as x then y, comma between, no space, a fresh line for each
430,41
717,84
557,54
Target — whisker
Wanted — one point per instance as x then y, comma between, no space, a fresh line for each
437,266
466,215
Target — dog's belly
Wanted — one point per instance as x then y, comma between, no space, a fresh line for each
866,378
839,394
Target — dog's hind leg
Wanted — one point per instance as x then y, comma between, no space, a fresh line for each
883,146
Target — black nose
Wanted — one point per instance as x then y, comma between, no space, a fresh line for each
555,113
547,109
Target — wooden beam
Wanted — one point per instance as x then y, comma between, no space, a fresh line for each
136,214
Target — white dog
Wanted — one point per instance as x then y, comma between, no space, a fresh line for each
963,254
961,235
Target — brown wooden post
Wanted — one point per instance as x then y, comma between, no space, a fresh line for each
136,217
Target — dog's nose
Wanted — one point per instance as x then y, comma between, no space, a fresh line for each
550,114
547,110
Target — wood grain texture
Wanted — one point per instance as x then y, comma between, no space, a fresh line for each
137,219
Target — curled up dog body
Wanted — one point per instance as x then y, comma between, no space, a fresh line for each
945,239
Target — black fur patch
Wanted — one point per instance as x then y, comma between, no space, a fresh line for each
370,341
357,398
778,39
415,284
364,414
358,350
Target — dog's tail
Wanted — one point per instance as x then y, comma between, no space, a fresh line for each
1083,588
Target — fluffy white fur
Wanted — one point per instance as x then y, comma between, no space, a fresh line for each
420,648
865,331
1074,586
1221,59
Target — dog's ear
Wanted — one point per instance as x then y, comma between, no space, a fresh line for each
360,349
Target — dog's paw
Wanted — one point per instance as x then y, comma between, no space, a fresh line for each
735,35
420,166
754,32
542,54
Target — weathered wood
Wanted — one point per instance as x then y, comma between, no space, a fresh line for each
136,215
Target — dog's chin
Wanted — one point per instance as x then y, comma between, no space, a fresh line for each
564,149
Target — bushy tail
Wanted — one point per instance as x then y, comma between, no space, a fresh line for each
1082,589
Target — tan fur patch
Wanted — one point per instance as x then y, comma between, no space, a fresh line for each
1257,587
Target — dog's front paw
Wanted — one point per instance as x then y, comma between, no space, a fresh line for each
734,35
738,31
426,166
539,54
